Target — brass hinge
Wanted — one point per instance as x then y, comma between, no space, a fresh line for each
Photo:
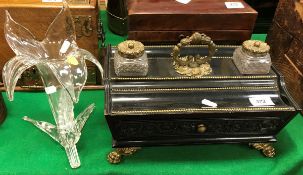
101,33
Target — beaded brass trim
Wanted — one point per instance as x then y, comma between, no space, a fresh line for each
204,46
204,109
214,57
196,78
193,89
220,57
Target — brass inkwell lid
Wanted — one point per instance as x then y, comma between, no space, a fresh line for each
255,47
131,49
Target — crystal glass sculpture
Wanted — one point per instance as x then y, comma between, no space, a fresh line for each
61,64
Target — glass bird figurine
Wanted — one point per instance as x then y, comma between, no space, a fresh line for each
61,65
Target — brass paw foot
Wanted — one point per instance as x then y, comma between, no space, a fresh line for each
115,157
266,148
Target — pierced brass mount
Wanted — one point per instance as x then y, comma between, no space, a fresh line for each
267,149
194,66
83,25
115,157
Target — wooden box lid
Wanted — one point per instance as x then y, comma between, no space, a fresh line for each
196,15
46,4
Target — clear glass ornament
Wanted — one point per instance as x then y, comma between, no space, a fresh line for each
61,64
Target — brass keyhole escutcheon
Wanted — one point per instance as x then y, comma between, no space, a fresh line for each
201,128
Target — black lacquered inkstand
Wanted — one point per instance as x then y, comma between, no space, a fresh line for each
188,98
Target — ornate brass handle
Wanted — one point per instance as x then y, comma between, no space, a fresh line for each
195,39
201,128
197,65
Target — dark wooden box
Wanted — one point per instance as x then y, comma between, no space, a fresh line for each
286,40
2,109
36,16
169,20
164,108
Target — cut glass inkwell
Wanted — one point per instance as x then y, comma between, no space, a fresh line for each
131,59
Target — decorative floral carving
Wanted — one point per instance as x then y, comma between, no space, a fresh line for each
136,129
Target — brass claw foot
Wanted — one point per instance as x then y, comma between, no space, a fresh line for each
115,157
266,148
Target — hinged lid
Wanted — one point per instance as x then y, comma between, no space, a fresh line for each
164,91
256,47
131,49
47,3
197,15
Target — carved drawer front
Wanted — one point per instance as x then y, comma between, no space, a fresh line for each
219,127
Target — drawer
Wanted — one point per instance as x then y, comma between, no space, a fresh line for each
196,128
